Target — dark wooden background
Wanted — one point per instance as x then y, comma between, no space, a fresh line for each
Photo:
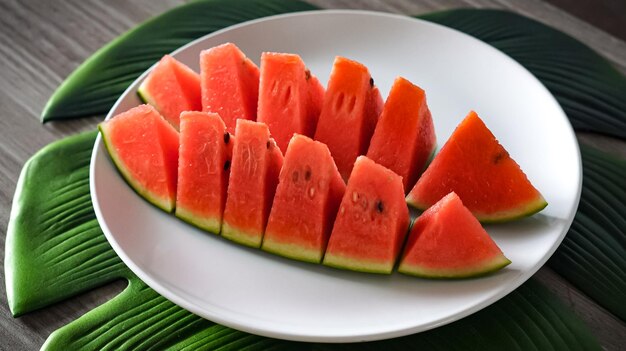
41,42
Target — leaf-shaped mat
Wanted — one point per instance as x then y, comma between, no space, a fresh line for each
54,247
95,85
76,252
593,254
590,90
530,318
140,319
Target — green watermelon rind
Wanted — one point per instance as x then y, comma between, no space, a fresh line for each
144,96
241,237
211,225
162,203
293,251
526,210
487,267
359,265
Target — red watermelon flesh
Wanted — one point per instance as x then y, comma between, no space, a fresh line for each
316,99
480,171
372,221
305,204
404,138
288,97
273,172
171,87
447,241
352,104
144,148
255,166
203,170
230,84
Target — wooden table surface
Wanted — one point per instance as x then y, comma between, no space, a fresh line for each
41,42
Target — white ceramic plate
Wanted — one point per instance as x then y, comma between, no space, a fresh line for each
264,294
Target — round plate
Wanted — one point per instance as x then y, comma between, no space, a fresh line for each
260,293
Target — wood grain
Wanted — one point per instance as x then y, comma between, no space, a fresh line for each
41,42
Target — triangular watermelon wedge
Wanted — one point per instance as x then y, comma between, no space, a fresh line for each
372,221
144,148
306,201
349,114
473,164
171,87
230,84
404,138
255,166
203,170
447,241
290,97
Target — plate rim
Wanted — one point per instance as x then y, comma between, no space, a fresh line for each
346,337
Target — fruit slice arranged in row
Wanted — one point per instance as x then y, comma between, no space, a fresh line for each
480,171
289,97
447,241
144,148
352,104
306,201
230,84
203,170
256,163
404,138
171,87
372,221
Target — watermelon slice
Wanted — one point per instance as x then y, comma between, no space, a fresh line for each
447,241
307,197
171,87
474,165
372,222
351,103
203,170
256,163
144,148
404,138
289,97
230,84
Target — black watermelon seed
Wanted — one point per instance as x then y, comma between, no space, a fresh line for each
371,82
226,137
307,74
227,165
307,174
267,145
500,156
379,206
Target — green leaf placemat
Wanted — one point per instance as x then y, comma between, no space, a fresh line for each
54,246
530,318
593,254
